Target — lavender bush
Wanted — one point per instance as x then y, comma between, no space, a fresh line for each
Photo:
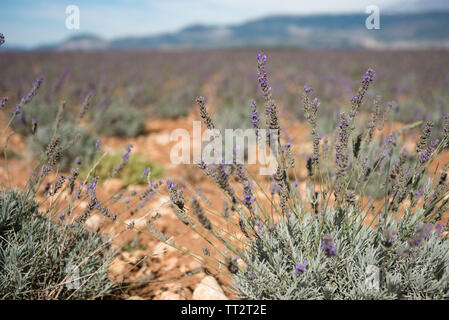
305,258
42,258
77,145
328,243
44,252
118,120
131,174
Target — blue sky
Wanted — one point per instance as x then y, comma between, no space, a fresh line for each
29,23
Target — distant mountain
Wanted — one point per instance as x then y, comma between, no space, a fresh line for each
419,5
83,42
410,30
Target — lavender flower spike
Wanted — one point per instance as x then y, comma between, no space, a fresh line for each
328,245
308,89
3,102
301,267
146,172
29,96
255,118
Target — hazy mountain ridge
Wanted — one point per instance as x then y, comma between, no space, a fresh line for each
411,30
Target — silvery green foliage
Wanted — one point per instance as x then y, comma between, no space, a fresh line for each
45,259
273,256
173,105
233,117
14,209
119,120
42,113
83,148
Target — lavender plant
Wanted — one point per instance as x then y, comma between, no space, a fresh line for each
300,258
42,258
44,252
34,116
135,172
75,143
118,120
334,241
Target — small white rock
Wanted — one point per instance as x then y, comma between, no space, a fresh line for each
135,298
209,289
162,138
94,222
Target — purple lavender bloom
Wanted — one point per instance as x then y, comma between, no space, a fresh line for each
3,101
261,58
170,184
427,153
247,197
259,226
296,183
308,89
419,193
125,156
301,267
330,250
328,245
369,76
202,165
33,91
146,172
92,186
255,118
390,138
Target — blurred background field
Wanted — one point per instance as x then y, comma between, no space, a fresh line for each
130,86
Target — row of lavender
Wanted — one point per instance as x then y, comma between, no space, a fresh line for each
162,84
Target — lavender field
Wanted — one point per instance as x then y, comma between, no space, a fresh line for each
416,81
94,204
